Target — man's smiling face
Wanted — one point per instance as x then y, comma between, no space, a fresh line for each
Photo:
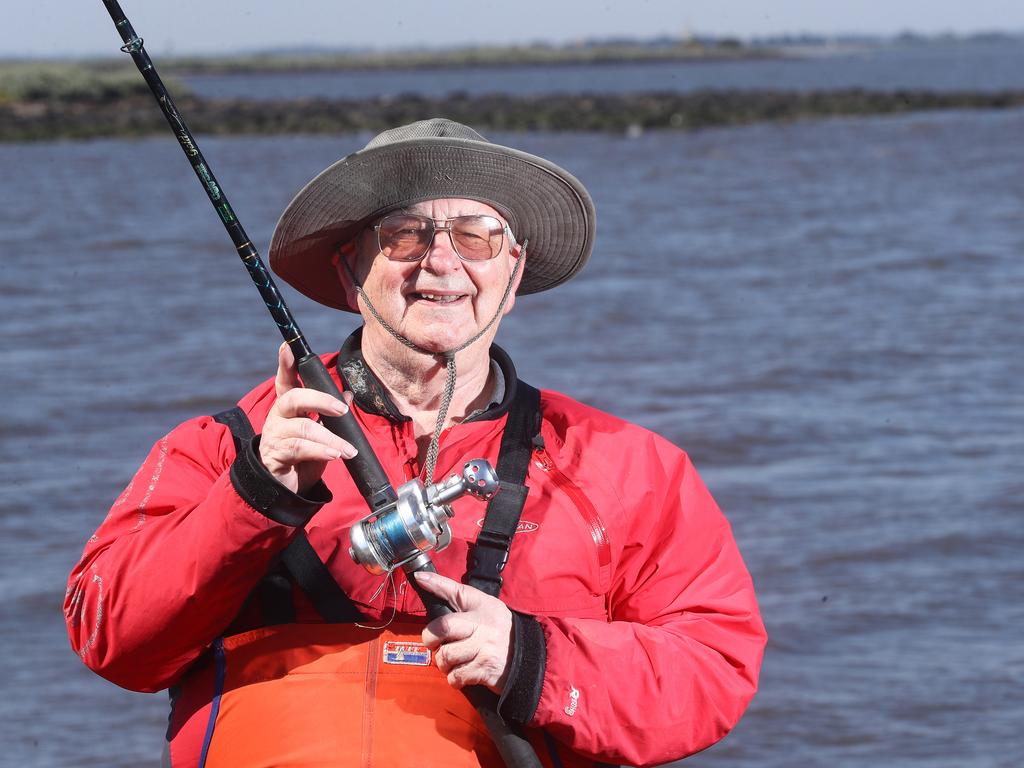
440,301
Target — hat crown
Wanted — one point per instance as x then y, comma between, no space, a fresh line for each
435,127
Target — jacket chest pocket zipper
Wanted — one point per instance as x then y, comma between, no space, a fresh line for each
584,506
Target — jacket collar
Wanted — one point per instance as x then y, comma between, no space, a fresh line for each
372,396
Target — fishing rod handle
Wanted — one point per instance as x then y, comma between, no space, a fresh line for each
515,750
436,607
365,467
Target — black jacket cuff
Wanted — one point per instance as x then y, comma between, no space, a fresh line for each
261,491
519,700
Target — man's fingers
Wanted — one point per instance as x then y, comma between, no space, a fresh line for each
457,595
319,433
295,450
300,402
456,654
472,662
447,629
469,674
465,663
279,446
293,400
294,447
287,374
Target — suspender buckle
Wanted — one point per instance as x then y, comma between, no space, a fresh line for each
490,555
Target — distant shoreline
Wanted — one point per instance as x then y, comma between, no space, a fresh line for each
138,115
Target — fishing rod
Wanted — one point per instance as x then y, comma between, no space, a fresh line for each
402,526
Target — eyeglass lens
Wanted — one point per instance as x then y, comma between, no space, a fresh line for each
407,237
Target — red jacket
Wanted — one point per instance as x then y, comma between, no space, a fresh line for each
652,635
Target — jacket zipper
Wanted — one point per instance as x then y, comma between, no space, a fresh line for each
583,504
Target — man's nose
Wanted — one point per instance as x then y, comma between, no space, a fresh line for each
441,255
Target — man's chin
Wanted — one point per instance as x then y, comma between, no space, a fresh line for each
439,345
436,332
438,338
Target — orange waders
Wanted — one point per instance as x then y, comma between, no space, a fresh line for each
328,695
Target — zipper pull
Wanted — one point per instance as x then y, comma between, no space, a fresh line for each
543,461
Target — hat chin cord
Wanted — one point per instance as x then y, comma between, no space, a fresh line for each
448,358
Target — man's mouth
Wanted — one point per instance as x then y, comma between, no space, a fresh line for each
438,298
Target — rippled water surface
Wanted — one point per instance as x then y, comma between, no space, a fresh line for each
828,315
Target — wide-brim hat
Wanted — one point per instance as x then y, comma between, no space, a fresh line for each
428,160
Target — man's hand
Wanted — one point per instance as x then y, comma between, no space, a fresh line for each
293,447
474,645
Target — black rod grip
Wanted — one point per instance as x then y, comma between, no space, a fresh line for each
365,467
436,607
515,750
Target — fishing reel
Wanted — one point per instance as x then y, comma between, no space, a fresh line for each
417,522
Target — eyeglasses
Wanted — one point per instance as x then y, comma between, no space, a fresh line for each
407,236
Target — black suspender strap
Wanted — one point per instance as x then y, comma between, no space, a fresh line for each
489,553
316,581
298,559
273,594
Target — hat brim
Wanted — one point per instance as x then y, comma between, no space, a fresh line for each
541,201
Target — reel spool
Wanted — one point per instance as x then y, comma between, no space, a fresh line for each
417,522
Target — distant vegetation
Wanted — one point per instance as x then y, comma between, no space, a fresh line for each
908,36
42,81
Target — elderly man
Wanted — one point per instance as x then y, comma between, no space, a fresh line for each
623,627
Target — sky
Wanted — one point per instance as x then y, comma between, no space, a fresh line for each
170,27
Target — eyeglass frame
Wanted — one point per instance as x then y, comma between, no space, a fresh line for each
506,231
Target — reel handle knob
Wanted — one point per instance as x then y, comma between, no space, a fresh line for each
478,479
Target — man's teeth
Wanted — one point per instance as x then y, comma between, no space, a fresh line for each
446,299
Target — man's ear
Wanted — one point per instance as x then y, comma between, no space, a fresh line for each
518,253
344,261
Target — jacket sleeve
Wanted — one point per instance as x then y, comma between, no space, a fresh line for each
677,663
177,555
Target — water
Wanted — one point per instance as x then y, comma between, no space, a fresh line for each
989,67
828,315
